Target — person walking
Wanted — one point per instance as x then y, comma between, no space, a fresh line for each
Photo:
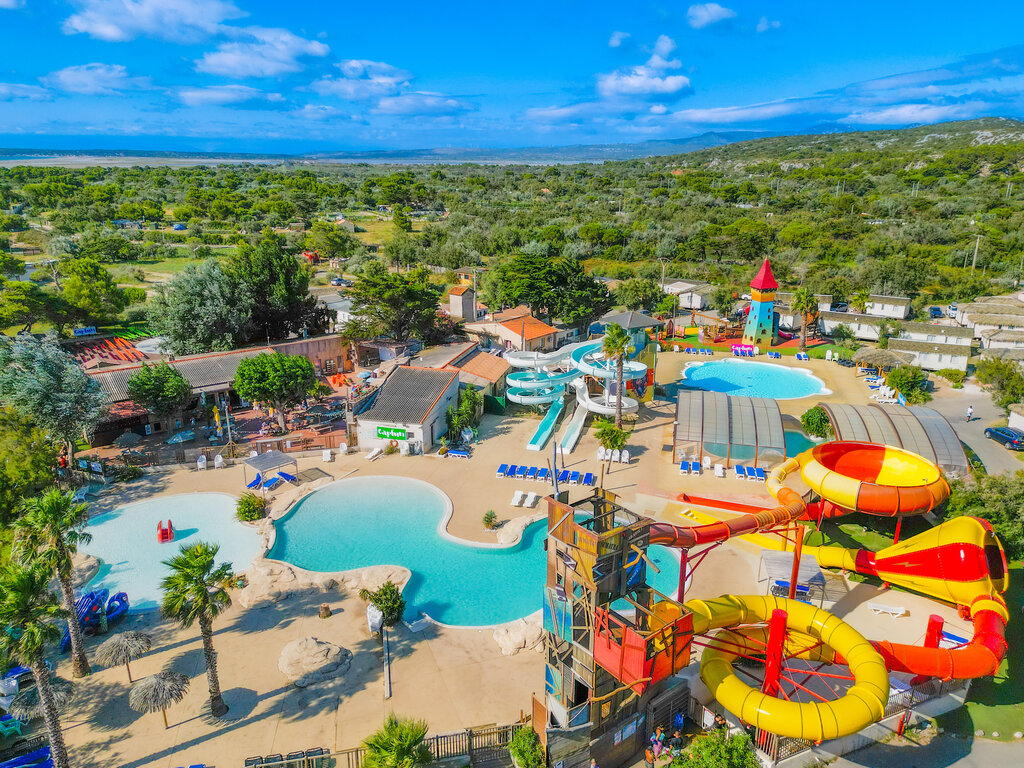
970,412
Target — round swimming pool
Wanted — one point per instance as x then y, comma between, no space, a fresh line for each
367,521
749,378
131,558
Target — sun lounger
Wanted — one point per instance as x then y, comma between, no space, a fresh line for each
272,483
376,453
563,476
751,474
543,475
694,467
588,479
888,610
517,498
684,467
760,474
624,457
286,477
719,470
256,482
531,499
79,496
511,472
502,469
740,471
574,478
457,454
531,473
521,472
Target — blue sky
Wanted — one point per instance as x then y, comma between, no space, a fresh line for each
250,75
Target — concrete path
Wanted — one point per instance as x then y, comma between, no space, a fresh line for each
953,403
941,752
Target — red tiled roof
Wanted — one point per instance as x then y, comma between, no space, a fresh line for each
458,290
528,328
482,364
764,280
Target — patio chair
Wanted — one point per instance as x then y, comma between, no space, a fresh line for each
706,464
201,463
249,761
740,472
502,469
315,752
218,462
543,475
615,456
624,457
531,473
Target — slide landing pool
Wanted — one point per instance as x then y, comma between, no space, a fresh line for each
379,520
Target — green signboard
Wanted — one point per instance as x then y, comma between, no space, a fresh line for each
391,433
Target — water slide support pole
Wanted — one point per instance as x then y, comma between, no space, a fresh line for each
681,592
798,546
933,634
773,653
899,525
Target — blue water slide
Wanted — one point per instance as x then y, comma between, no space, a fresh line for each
546,426
87,609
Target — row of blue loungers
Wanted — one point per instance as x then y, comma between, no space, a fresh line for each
697,351
542,475
749,473
272,483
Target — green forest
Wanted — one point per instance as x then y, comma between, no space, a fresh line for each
932,212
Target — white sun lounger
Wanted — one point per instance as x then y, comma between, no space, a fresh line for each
376,453
719,470
518,498
888,610
531,499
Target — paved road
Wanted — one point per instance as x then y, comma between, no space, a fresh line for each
942,752
952,403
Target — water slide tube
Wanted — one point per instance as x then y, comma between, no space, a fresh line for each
960,560
589,359
87,609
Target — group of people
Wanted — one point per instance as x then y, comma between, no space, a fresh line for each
663,746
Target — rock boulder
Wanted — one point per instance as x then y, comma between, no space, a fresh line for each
307,661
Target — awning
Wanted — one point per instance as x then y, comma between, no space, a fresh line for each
266,463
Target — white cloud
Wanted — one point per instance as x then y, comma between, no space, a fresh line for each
663,48
11,91
738,114
902,114
94,79
614,41
263,52
317,112
217,95
10,5
421,103
706,14
766,25
177,20
363,79
658,109
556,114
640,81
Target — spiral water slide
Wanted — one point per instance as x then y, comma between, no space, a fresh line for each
960,561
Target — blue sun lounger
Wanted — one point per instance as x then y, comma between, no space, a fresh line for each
286,477
574,478
694,467
256,483
740,471
502,469
760,474
543,475
563,476
531,473
521,472
684,467
751,473
589,479
272,483
511,471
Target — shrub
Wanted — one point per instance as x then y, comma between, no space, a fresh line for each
609,436
388,600
526,749
251,506
490,519
910,381
390,449
128,473
953,376
815,422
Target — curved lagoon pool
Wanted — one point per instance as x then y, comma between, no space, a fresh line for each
131,557
749,378
366,521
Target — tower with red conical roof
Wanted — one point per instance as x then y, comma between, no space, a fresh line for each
759,330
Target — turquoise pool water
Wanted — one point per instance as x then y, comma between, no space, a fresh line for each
546,426
796,443
749,378
394,521
132,559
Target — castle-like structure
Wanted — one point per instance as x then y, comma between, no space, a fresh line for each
760,328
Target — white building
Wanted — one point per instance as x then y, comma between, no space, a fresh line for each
339,306
691,295
1002,339
896,307
933,356
409,408
863,327
992,313
1016,416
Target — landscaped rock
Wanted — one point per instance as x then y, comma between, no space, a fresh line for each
307,661
520,635
511,532
271,581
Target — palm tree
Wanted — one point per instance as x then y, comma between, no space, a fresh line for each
617,346
50,529
194,591
398,744
27,604
860,299
806,304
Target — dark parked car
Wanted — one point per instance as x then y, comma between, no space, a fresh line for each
1008,436
840,306
935,312
340,282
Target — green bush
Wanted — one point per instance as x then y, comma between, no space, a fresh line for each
910,381
610,437
526,749
388,600
251,507
1004,378
815,422
128,473
953,376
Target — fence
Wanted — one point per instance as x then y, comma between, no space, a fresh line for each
468,743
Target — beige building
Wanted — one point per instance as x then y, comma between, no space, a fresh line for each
462,303
524,333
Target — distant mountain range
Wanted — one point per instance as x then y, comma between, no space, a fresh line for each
724,145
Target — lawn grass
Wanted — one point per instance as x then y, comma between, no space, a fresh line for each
157,270
380,232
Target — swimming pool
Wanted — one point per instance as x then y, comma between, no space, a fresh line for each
366,521
131,557
753,379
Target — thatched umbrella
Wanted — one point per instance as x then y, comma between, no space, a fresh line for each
882,359
26,705
128,439
158,692
123,648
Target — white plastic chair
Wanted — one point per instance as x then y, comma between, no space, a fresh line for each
600,453
719,470
615,456
707,462
218,462
201,462
326,455
624,457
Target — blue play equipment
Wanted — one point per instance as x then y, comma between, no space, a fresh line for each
91,606
35,758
